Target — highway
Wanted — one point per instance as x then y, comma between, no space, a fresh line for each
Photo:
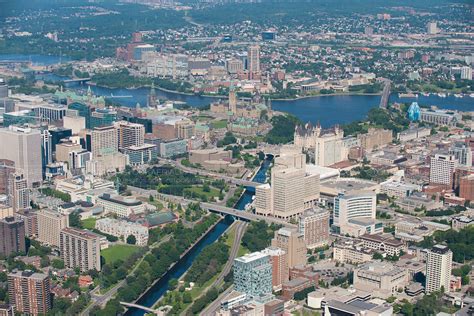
240,228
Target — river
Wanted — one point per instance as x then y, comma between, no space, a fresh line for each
160,287
327,110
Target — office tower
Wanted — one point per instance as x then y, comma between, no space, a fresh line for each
253,56
314,225
279,262
354,213
292,242
83,110
12,236
46,150
7,167
50,224
18,192
57,135
293,187
431,28
466,73
102,117
130,134
79,159
30,292
23,147
466,187
64,149
442,169
104,141
438,268
80,249
253,274
73,121
462,153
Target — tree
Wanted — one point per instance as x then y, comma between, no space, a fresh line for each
57,264
187,298
75,220
131,240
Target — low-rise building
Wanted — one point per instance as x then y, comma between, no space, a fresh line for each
398,189
122,206
459,222
123,229
173,147
351,251
383,243
382,278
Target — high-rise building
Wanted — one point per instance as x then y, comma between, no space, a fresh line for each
314,225
466,73
7,167
78,159
253,57
130,134
293,187
29,292
30,217
442,169
354,213
50,224
64,149
253,274
74,121
83,110
279,262
375,138
431,28
23,147
463,153
438,268
466,187
12,236
18,192
46,150
292,242
80,249
102,117
104,141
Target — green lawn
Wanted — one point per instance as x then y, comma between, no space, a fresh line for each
198,189
116,252
89,223
219,124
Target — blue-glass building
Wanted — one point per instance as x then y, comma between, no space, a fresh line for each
414,112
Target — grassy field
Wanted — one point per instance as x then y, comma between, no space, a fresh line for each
89,223
219,124
209,195
118,252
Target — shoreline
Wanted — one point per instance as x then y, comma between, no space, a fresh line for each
195,243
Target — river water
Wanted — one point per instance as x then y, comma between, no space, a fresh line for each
327,110
160,288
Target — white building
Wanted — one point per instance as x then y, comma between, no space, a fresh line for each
23,147
314,225
292,188
431,28
438,268
354,213
122,206
466,73
123,229
442,169
398,189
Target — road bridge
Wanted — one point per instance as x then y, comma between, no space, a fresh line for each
146,309
82,80
385,93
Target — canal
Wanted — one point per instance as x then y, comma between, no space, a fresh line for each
152,295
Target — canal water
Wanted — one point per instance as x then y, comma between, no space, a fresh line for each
160,288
